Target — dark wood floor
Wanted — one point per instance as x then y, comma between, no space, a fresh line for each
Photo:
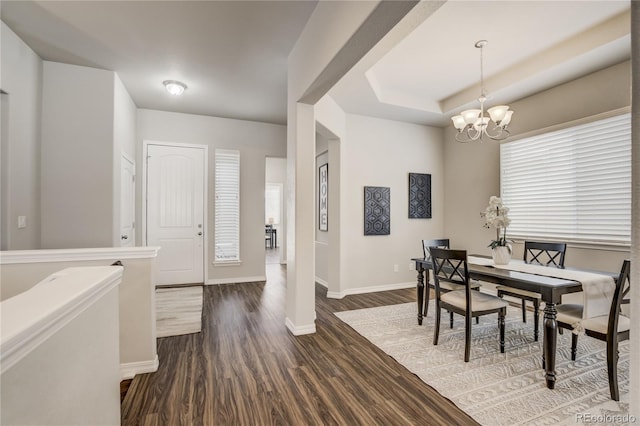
245,368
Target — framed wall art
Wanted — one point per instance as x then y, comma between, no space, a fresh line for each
323,197
377,210
419,196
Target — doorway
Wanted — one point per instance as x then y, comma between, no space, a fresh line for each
175,210
275,210
127,202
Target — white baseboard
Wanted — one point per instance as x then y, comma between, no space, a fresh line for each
322,282
372,289
130,369
299,331
236,280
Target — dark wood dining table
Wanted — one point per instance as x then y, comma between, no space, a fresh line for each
551,289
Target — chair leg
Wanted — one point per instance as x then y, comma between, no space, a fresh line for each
524,310
426,297
450,319
612,367
436,330
574,346
501,316
467,337
536,319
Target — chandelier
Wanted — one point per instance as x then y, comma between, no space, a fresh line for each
472,124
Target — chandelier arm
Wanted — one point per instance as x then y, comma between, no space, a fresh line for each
501,133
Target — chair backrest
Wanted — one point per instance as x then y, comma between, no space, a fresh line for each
449,266
547,254
439,243
620,296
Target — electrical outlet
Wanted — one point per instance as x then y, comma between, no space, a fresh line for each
411,266
395,267
22,222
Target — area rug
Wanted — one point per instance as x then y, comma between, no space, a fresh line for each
178,310
494,388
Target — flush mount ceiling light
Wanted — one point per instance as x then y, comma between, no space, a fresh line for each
174,87
472,125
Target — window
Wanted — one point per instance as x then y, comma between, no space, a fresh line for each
272,202
227,208
571,185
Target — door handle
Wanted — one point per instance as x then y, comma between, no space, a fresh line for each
124,237
199,233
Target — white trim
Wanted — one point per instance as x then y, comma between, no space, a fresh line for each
69,293
299,331
372,289
129,369
322,282
237,280
73,255
227,262
205,212
572,123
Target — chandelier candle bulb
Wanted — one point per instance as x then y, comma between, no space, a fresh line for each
498,112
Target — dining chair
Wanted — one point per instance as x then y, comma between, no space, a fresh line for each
450,267
268,236
612,328
441,243
543,253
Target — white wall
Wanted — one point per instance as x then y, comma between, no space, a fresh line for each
382,153
77,156
21,79
472,171
276,172
255,141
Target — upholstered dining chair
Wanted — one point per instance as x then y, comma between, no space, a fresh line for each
450,267
543,253
612,328
441,243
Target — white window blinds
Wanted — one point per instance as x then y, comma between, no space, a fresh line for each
227,208
571,185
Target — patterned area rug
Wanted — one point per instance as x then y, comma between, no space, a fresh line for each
495,388
178,311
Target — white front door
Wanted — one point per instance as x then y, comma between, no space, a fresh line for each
127,202
175,211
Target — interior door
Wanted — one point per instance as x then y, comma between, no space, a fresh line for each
175,211
127,202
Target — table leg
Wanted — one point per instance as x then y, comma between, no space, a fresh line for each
550,340
420,291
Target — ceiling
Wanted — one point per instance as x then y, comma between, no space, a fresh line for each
233,54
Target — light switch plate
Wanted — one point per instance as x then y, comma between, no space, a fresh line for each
22,222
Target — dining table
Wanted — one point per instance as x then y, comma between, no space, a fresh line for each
549,287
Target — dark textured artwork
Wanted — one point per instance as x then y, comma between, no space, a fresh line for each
377,210
419,196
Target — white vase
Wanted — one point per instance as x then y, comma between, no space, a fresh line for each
501,255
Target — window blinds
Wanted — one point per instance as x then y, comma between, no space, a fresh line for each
571,185
227,208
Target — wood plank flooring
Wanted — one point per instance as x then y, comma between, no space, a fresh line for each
245,368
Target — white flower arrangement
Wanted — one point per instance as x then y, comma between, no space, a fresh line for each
496,215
